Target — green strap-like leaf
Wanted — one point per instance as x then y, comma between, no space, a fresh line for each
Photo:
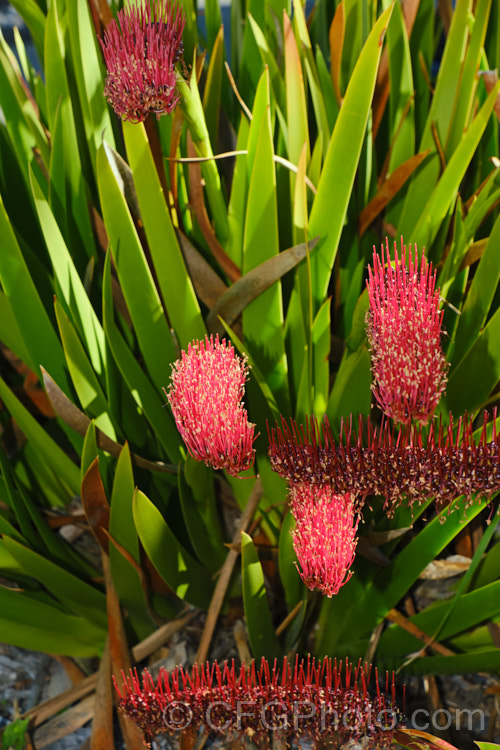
34,324
147,398
479,297
337,178
213,86
86,384
67,189
482,661
433,212
290,578
174,282
263,641
439,116
351,392
477,374
270,60
135,276
185,576
58,460
74,297
21,117
401,91
78,596
254,283
391,583
122,530
477,606
200,512
263,318
28,623
88,70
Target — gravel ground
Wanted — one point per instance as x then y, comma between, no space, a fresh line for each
26,679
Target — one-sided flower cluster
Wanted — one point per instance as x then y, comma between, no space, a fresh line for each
409,464
324,538
206,398
403,326
324,701
141,47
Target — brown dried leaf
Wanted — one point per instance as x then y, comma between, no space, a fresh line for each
445,8
175,139
493,690
160,636
187,741
410,738
388,190
119,656
126,554
367,550
394,616
102,723
103,10
490,78
225,574
382,537
95,504
381,95
494,630
452,566
474,253
336,38
156,151
64,724
197,202
240,639
253,283
209,287
496,165
38,396
53,706
143,578
124,178
44,711
98,227
72,669
79,422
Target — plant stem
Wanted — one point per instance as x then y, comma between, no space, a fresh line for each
193,112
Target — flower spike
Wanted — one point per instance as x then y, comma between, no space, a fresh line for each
325,701
403,326
412,463
205,394
141,48
324,538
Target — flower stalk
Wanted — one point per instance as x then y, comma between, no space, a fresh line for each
192,109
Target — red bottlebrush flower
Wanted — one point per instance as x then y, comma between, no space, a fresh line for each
140,50
324,538
205,394
324,700
404,332
405,464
